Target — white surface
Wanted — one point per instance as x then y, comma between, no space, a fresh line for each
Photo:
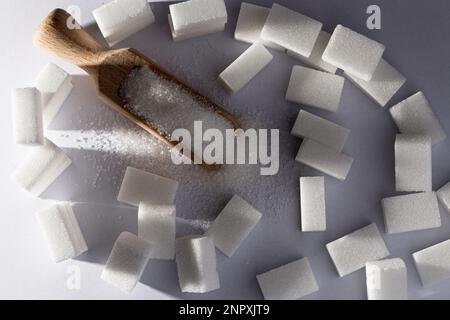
411,212
250,23
156,224
61,231
320,130
324,159
433,263
245,67
212,28
413,165
138,185
444,196
355,202
196,264
233,225
197,15
127,262
291,30
55,85
353,52
352,251
312,204
27,117
289,282
414,115
42,166
387,280
119,19
315,59
385,83
315,88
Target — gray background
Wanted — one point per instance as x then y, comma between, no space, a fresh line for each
416,36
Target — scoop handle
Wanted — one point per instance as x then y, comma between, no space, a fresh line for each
61,35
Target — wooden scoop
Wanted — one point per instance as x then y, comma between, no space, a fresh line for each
109,68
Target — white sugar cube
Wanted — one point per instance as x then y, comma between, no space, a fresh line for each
315,59
413,167
126,262
233,225
414,115
55,85
289,282
198,15
291,30
443,195
62,232
138,185
193,33
27,116
351,252
196,264
156,224
385,82
119,19
324,159
40,168
386,280
312,204
411,212
354,53
315,88
250,22
433,263
245,67
320,130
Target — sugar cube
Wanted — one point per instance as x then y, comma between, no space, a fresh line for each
156,224
315,88
291,30
126,262
40,168
386,280
433,263
62,232
312,204
138,185
386,81
443,195
289,282
193,33
245,67
411,212
351,252
320,130
414,115
55,85
413,163
198,16
324,159
233,225
315,59
354,53
250,23
27,116
196,264
119,19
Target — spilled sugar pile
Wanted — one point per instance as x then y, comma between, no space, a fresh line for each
165,104
118,143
